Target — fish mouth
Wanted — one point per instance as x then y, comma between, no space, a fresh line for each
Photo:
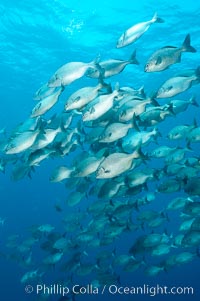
85,117
67,107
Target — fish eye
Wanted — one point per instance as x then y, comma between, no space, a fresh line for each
106,171
77,99
10,146
169,88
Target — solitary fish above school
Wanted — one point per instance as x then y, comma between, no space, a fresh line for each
168,55
136,31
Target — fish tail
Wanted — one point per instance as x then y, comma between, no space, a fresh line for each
156,19
198,251
133,59
153,100
195,124
95,65
117,87
171,109
142,92
139,154
156,134
186,45
96,60
134,123
193,101
197,73
102,84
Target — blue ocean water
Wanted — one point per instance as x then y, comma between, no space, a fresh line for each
37,37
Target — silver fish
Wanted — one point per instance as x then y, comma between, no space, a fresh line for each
46,104
70,72
21,142
82,97
178,84
182,105
99,106
112,67
136,31
115,131
117,163
168,55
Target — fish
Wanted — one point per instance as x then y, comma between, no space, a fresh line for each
37,156
179,106
79,99
52,259
154,115
89,164
141,138
160,250
178,203
168,55
136,31
21,142
191,238
31,275
192,186
116,164
155,239
43,92
180,132
61,173
75,198
184,257
134,107
70,72
193,135
153,270
115,131
162,151
139,177
61,244
112,67
46,104
178,84
45,228
169,186
177,155
100,105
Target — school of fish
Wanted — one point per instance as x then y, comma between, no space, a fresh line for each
117,161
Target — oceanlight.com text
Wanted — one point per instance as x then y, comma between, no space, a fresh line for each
113,289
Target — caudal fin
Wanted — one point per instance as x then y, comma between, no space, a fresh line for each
197,73
156,19
186,45
133,59
193,101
